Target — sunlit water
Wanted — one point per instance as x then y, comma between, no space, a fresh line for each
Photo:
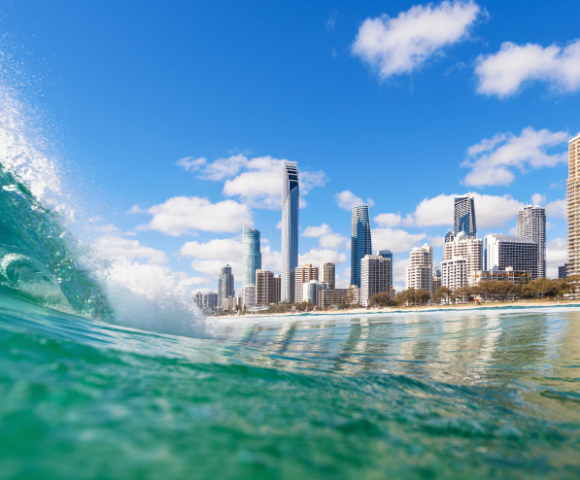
475,394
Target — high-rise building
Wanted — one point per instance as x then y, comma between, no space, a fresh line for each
573,205
290,209
264,287
277,288
520,253
328,274
252,260
375,277
225,284
563,272
532,223
198,297
387,254
361,240
465,216
454,273
303,275
210,301
436,279
309,291
420,270
463,246
249,296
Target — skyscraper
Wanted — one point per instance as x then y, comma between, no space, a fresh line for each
375,277
519,253
361,240
328,274
420,269
388,254
532,223
573,204
303,275
466,247
264,287
465,216
277,288
252,260
225,284
290,205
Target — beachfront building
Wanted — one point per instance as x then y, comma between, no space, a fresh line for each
388,254
277,288
563,272
340,296
419,273
225,284
264,287
520,253
198,297
454,273
509,275
328,274
375,277
252,257
290,210
461,245
532,223
209,301
303,275
249,296
361,244
573,205
436,279
465,216
311,292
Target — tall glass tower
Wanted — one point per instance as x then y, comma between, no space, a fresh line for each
532,223
252,260
290,205
465,216
225,284
361,240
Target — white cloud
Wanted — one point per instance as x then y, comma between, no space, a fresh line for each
556,256
396,240
388,220
326,237
492,160
181,215
506,71
117,247
135,210
399,274
320,256
556,208
190,164
490,211
399,45
346,198
257,181
538,199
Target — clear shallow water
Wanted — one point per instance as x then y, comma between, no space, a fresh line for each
490,394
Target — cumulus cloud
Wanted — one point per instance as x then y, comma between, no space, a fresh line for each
556,256
320,256
538,199
399,45
346,198
389,220
490,211
399,274
493,160
326,237
180,215
117,247
256,181
505,72
556,208
190,164
396,240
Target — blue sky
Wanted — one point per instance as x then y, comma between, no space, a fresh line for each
170,119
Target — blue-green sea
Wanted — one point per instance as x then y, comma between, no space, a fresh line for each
474,394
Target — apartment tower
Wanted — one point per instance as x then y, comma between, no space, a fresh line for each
277,288
463,246
225,284
532,223
328,274
361,240
252,258
375,277
465,216
519,253
420,270
303,275
573,201
264,287
290,206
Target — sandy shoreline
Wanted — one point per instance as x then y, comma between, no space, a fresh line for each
430,308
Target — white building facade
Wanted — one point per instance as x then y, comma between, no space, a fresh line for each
375,277
532,223
519,253
419,273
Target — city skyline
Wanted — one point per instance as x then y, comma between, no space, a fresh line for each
406,140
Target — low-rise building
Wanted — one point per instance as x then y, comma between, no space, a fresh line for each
249,296
508,274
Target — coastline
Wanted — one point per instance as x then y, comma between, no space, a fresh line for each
423,308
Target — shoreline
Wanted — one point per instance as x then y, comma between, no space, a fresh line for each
418,309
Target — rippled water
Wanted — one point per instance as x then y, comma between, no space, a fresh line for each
476,394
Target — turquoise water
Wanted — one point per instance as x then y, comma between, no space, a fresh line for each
491,394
